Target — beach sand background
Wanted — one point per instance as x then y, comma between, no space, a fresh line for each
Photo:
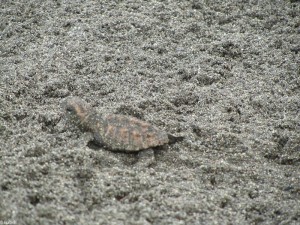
225,74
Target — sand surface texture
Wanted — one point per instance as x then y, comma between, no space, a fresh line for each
225,74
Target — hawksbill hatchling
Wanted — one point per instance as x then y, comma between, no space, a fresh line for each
117,132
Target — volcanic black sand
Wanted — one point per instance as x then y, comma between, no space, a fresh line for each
224,74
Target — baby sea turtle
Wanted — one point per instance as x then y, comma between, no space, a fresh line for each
117,132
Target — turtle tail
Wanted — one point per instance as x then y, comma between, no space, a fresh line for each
173,139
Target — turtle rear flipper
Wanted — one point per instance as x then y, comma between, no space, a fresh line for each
146,158
173,139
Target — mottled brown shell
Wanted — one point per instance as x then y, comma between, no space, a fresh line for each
129,133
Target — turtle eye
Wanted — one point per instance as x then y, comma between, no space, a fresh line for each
69,109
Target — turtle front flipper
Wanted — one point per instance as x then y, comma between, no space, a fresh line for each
98,140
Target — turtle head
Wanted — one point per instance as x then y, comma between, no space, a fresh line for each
77,111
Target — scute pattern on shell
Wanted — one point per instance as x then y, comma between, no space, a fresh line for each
131,134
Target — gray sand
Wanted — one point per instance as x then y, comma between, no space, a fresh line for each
225,74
